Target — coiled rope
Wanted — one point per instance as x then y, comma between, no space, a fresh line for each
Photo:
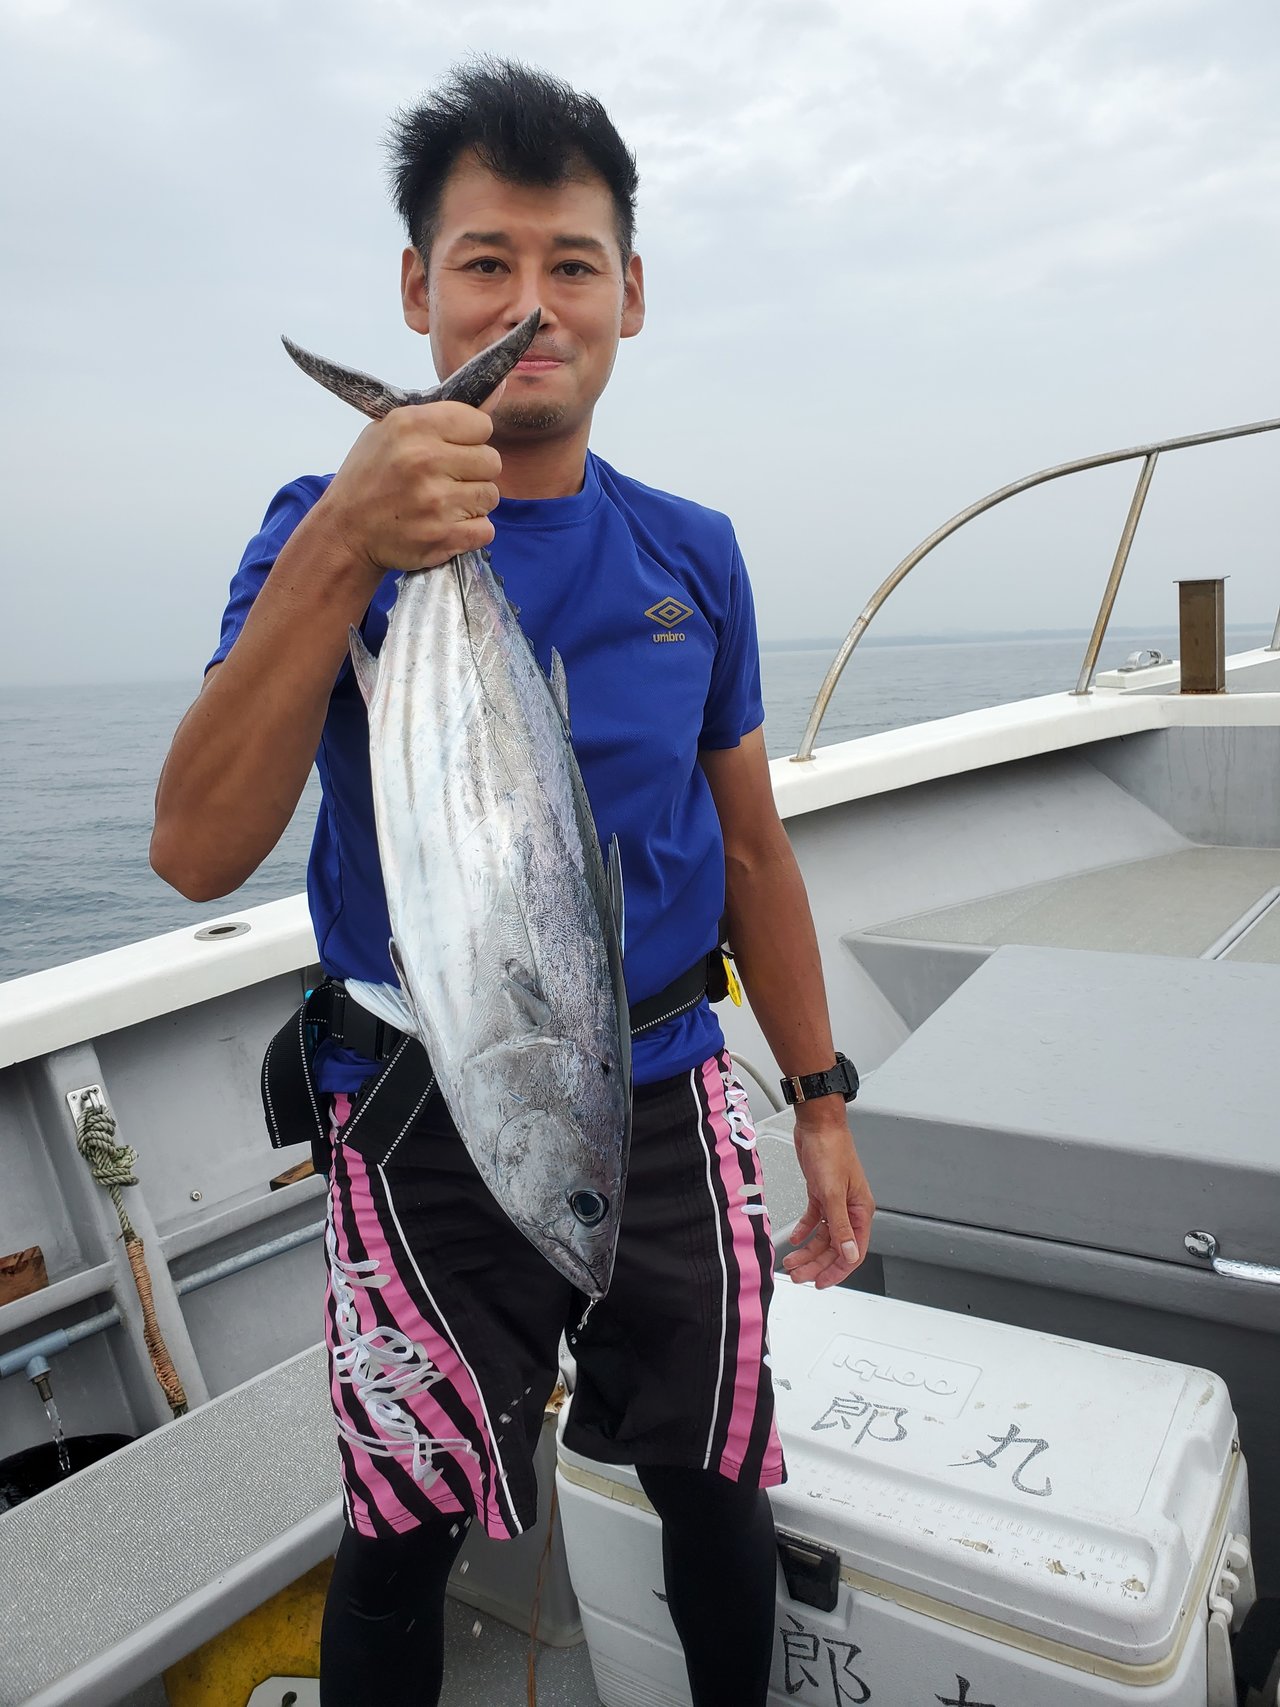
112,1165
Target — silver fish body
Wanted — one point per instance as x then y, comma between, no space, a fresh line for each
506,927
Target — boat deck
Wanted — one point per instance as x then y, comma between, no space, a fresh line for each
1183,903
489,1669
484,1669
199,1549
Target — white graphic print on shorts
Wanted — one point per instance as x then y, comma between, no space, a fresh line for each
383,1367
737,1111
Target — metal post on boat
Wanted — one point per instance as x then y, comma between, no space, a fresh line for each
1202,636
1084,682
1275,637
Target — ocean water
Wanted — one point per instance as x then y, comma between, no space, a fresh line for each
78,770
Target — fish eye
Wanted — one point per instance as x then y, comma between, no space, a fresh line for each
589,1207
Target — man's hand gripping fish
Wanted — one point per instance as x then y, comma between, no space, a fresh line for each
506,926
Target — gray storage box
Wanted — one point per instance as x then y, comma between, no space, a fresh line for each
1032,1166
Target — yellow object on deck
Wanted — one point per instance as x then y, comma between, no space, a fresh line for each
279,1638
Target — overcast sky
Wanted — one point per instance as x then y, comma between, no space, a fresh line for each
898,253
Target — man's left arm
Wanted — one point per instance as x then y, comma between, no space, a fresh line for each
776,951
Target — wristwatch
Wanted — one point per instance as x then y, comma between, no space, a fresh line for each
840,1080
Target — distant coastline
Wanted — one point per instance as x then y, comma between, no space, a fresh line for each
16,687
984,636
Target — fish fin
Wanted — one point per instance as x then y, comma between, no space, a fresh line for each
369,395
479,378
522,987
384,1002
393,954
363,663
617,899
472,383
560,685
507,945
498,580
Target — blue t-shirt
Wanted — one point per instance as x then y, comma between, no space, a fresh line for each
646,599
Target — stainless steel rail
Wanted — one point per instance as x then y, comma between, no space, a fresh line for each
1148,453
249,1259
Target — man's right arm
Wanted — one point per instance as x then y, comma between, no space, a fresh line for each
415,491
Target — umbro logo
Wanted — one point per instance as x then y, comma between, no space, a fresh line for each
667,613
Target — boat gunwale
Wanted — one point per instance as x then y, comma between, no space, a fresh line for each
83,999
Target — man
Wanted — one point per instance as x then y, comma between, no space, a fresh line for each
443,1322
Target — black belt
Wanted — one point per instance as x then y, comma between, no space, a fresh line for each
344,1021
706,977
295,1111
355,1028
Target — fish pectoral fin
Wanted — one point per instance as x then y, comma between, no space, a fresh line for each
560,685
363,663
617,900
521,985
384,1002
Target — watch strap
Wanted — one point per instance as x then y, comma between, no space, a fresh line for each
840,1080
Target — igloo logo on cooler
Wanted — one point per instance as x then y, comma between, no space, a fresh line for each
915,1378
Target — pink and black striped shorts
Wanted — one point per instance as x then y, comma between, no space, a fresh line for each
444,1323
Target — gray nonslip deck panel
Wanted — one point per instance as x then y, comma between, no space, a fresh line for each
1110,1100
489,1668
1175,904
136,1558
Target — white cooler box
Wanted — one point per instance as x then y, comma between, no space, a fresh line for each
977,1515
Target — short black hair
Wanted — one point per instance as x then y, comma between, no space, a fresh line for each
524,125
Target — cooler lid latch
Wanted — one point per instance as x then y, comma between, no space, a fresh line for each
812,1571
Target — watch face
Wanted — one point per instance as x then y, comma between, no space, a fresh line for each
844,1078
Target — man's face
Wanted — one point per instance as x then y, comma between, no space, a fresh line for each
502,249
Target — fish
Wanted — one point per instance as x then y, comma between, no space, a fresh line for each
507,920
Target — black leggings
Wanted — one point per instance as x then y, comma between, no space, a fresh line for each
720,1562
384,1616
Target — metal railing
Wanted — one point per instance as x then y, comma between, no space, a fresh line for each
1148,453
